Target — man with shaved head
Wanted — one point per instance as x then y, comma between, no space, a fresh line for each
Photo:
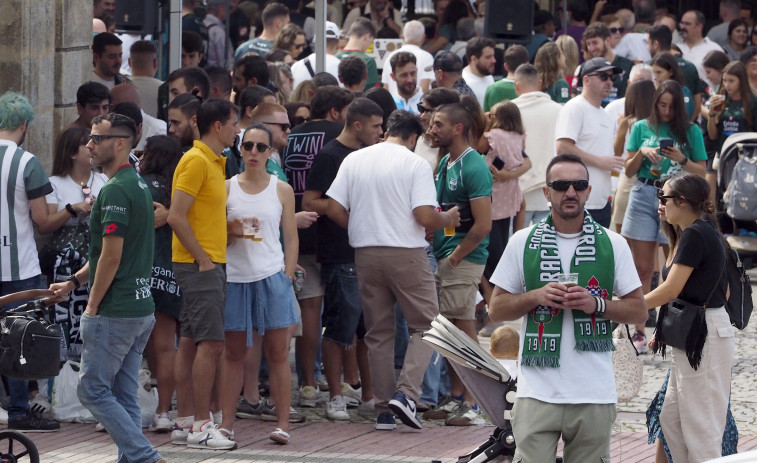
150,126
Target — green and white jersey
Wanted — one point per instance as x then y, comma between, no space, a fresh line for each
124,208
22,179
457,183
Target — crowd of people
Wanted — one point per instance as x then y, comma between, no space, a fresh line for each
248,202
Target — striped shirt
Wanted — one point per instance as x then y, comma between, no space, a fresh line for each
22,179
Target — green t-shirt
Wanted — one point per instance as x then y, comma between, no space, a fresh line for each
373,76
124,208
501,90
273,168
642,135
733,120
465,179
559,92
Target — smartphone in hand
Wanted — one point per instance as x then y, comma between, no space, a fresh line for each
665,143
498,163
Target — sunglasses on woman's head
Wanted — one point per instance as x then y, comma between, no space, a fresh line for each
261,147
564,185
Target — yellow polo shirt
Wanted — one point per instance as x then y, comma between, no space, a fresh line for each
201,174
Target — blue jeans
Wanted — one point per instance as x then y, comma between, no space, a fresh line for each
19,389
111,356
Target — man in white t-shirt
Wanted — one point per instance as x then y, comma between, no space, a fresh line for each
481,61
407,94
304,69
585,129
413,35
385,196
566,384
694,46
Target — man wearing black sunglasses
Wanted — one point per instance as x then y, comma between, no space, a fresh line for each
566,383
586,130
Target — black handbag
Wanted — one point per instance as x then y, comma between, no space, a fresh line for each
29,346
682,325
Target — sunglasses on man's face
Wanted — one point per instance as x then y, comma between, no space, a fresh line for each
261,147
617,30
564,185
422,109
603,75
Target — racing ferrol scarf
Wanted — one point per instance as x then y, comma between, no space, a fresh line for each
594,262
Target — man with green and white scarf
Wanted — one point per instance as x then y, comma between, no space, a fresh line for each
566,384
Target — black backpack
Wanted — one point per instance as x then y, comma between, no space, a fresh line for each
739,304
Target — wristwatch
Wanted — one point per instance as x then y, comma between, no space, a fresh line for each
71,210
684,161
74,280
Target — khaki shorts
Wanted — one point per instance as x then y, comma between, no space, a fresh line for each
457,288
312,286
586,428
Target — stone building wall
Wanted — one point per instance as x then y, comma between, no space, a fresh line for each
45,54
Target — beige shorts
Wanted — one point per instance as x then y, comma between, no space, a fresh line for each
312,286
457,288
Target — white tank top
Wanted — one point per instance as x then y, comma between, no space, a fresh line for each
248,260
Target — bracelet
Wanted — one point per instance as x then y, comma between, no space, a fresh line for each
601,306
684,161
75,280
71,210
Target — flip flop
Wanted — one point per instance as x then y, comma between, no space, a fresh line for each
279,436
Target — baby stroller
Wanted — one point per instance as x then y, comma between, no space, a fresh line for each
740,147
486,379
29,349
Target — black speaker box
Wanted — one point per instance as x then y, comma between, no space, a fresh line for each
510,21
136,16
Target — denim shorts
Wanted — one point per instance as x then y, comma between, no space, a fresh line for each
342,310
642,222
202,300
266,304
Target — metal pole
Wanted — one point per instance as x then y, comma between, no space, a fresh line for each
174,41
320,35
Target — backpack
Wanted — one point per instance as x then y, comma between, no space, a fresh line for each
739,304
742,189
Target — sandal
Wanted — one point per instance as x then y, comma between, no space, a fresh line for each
279,436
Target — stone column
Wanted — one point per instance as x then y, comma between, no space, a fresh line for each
44,54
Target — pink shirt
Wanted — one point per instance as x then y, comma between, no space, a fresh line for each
506,196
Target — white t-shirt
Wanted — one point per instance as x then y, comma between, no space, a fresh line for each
411,104
148,91
380,186
633,46
150,126
616,108
590,127
696,55
66,191
583,377
423,60
477,84
108,83
300,71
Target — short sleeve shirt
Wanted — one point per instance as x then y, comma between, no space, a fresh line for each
201,174
465,179
257,45
333,240
642,135
370,63
559,91
701,248
733,120
502,90
124,208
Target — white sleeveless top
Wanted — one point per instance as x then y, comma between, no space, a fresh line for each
247,260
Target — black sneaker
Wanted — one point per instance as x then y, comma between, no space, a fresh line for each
404,407
385,422
32,422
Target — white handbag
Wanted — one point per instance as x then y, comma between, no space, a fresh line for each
628,366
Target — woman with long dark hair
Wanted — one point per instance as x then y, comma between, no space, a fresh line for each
162,154
665,67
738,38
659,146
694,412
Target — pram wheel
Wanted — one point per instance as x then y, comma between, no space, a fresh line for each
16,447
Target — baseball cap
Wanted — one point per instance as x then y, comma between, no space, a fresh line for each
447,62
332,30
597,65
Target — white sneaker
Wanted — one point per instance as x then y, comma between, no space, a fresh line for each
209,437
351,395
39,404
640,342
161,423
367,409
99,427
336,409
308,396
181,431
3,416
322,384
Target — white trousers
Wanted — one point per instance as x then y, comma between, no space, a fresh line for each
696,403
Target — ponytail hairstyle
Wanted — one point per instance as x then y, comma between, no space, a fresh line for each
506,116
694,190
737,69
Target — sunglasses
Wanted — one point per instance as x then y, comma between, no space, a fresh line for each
604,76
663,197
299,46
261,147
422,109
617,30
284,126
97,139
564,185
